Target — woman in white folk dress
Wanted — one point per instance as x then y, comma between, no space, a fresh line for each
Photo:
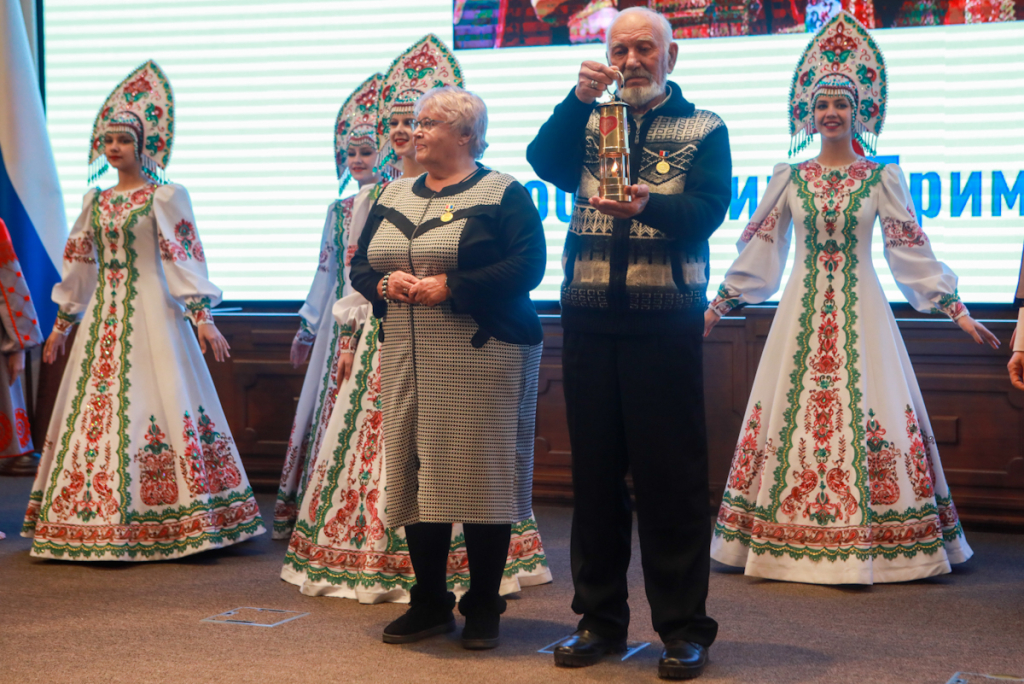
138,462
327,344
836,477
19,332
342,545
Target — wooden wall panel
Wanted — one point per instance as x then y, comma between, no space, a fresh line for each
977,417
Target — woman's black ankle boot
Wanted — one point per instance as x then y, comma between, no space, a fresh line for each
428,614
483,615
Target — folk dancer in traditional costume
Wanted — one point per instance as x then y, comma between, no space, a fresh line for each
19,332
327,344
138,463
836,478
632,302
342,544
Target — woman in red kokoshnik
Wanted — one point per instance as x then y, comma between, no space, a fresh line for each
836,478
138,463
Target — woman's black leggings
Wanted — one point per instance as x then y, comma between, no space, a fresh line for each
486,548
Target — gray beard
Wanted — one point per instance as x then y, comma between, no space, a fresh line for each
640,96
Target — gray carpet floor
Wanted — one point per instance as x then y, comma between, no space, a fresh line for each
141,622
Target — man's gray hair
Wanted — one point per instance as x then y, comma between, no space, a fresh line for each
662,28
465,111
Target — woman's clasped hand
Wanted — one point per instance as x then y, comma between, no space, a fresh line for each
408,289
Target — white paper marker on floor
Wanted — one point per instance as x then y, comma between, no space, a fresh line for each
255,617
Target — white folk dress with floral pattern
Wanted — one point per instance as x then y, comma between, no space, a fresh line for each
836,478
341,545
328,338
138,463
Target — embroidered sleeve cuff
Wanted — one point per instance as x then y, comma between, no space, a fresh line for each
724,301
347,339
198,311
952,306
306,334
64,322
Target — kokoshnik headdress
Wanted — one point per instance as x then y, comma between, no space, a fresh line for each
841,60
356,125
427,64
142,105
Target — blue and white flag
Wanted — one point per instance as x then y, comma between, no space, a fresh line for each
31,202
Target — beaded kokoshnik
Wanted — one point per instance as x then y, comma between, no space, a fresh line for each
428,63
841,60
356,125
142,105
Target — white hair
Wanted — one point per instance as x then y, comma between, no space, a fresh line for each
464,110
662,29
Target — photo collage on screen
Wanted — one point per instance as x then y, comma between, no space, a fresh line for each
527,23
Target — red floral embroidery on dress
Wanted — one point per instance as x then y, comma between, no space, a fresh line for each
917,460
806,482
833,188
314,500
860,170
903,233
81,250
22,427
192,464
882,457
763,230
157,480
363,487
218,456
748,460
325,258
170,251
185,234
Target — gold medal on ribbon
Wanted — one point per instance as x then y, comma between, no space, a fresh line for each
662,166
447,215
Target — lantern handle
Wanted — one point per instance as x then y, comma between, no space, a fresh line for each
620,83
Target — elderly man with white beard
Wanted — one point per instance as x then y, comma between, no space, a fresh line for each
636,275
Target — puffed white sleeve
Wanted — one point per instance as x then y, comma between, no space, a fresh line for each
314,308
756,274
927,283
79,271
182,254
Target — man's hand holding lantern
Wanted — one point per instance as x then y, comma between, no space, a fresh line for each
594,79
640,194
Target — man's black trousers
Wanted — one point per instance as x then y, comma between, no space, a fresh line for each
636,403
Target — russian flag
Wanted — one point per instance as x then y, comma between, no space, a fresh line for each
31,202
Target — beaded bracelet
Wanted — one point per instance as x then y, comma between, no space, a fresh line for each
384,286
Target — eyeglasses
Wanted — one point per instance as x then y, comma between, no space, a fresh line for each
426,124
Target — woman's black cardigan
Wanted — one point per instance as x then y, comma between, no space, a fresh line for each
502,257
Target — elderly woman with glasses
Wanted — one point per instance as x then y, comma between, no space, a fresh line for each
448,260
